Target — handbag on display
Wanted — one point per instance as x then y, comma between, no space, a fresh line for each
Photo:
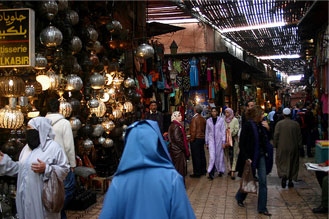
248,184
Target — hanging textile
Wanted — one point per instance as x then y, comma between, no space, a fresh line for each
223,81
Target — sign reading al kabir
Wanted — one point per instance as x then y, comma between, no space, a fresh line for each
17,37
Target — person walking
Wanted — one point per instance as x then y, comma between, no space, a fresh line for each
256,149
146,183
271,120
231,125
64,137
288,141
197,130
215,142
155,115
37,160
178,147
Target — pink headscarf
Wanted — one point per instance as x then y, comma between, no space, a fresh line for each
231,116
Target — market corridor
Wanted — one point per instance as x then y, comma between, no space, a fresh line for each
215,199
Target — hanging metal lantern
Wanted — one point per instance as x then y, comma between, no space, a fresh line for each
97,47
50,8
29,90
98,130
40,62
72,17
117,114
62,5
54,80
94,60
128,106
51,37
11,118
100,110
75,123
145,51
114,26
97,81
76,44
108,143
11,86
129,83
93,103
108,125
37,86
124,127
117,81
87,144
74,83
65,108
92,34
101,140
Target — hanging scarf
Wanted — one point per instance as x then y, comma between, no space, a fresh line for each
231,116
187,152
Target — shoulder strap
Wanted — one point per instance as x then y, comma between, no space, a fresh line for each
52,124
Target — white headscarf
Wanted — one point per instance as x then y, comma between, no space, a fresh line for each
43,125
175,115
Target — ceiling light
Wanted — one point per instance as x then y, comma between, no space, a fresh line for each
293,56
294,78
254,27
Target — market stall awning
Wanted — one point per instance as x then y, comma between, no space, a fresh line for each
261,27
156,28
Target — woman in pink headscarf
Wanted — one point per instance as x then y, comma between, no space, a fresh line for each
232,129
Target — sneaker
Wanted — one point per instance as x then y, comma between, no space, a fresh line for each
320,210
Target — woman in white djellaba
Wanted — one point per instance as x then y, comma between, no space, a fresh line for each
38,159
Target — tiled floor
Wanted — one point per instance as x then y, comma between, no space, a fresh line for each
215,199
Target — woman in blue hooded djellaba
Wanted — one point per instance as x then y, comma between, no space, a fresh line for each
146,184
38,159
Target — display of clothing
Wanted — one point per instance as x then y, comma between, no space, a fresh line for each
194,73
177,66
324,100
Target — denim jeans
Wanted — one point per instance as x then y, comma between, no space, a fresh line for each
262,187
69,185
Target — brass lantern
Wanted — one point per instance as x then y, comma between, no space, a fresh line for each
11,118
11,86
100,110
74,83
65,108
108,125
117,114
97,81
128,106
54,79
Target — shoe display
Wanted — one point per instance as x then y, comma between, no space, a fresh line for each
194,176
320,210
284,182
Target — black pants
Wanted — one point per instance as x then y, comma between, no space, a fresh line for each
198,156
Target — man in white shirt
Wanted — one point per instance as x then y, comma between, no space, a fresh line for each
64,137
271,120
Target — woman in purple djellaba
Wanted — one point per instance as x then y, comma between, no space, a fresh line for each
215,140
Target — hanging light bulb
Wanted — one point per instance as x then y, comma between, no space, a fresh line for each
43,79
106,97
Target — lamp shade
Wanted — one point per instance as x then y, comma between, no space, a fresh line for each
74,83
44,80
65,108
11,118
11,86
100,110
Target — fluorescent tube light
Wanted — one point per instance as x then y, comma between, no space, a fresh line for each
294,56
254,27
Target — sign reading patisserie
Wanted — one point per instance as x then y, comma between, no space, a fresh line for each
17,37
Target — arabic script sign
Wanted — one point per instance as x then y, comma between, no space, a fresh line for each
17,38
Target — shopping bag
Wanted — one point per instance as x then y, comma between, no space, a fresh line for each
248,184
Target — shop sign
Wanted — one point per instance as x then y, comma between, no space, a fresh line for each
17,37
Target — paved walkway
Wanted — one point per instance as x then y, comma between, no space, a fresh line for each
215,199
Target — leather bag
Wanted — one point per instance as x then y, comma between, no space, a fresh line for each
248,184
53,193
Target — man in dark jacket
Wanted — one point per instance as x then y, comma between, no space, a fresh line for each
155,115
197,129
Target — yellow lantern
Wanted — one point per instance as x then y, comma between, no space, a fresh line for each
44,80
108,125
65,108
11,86
128,106
11,118
100,110
117,114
